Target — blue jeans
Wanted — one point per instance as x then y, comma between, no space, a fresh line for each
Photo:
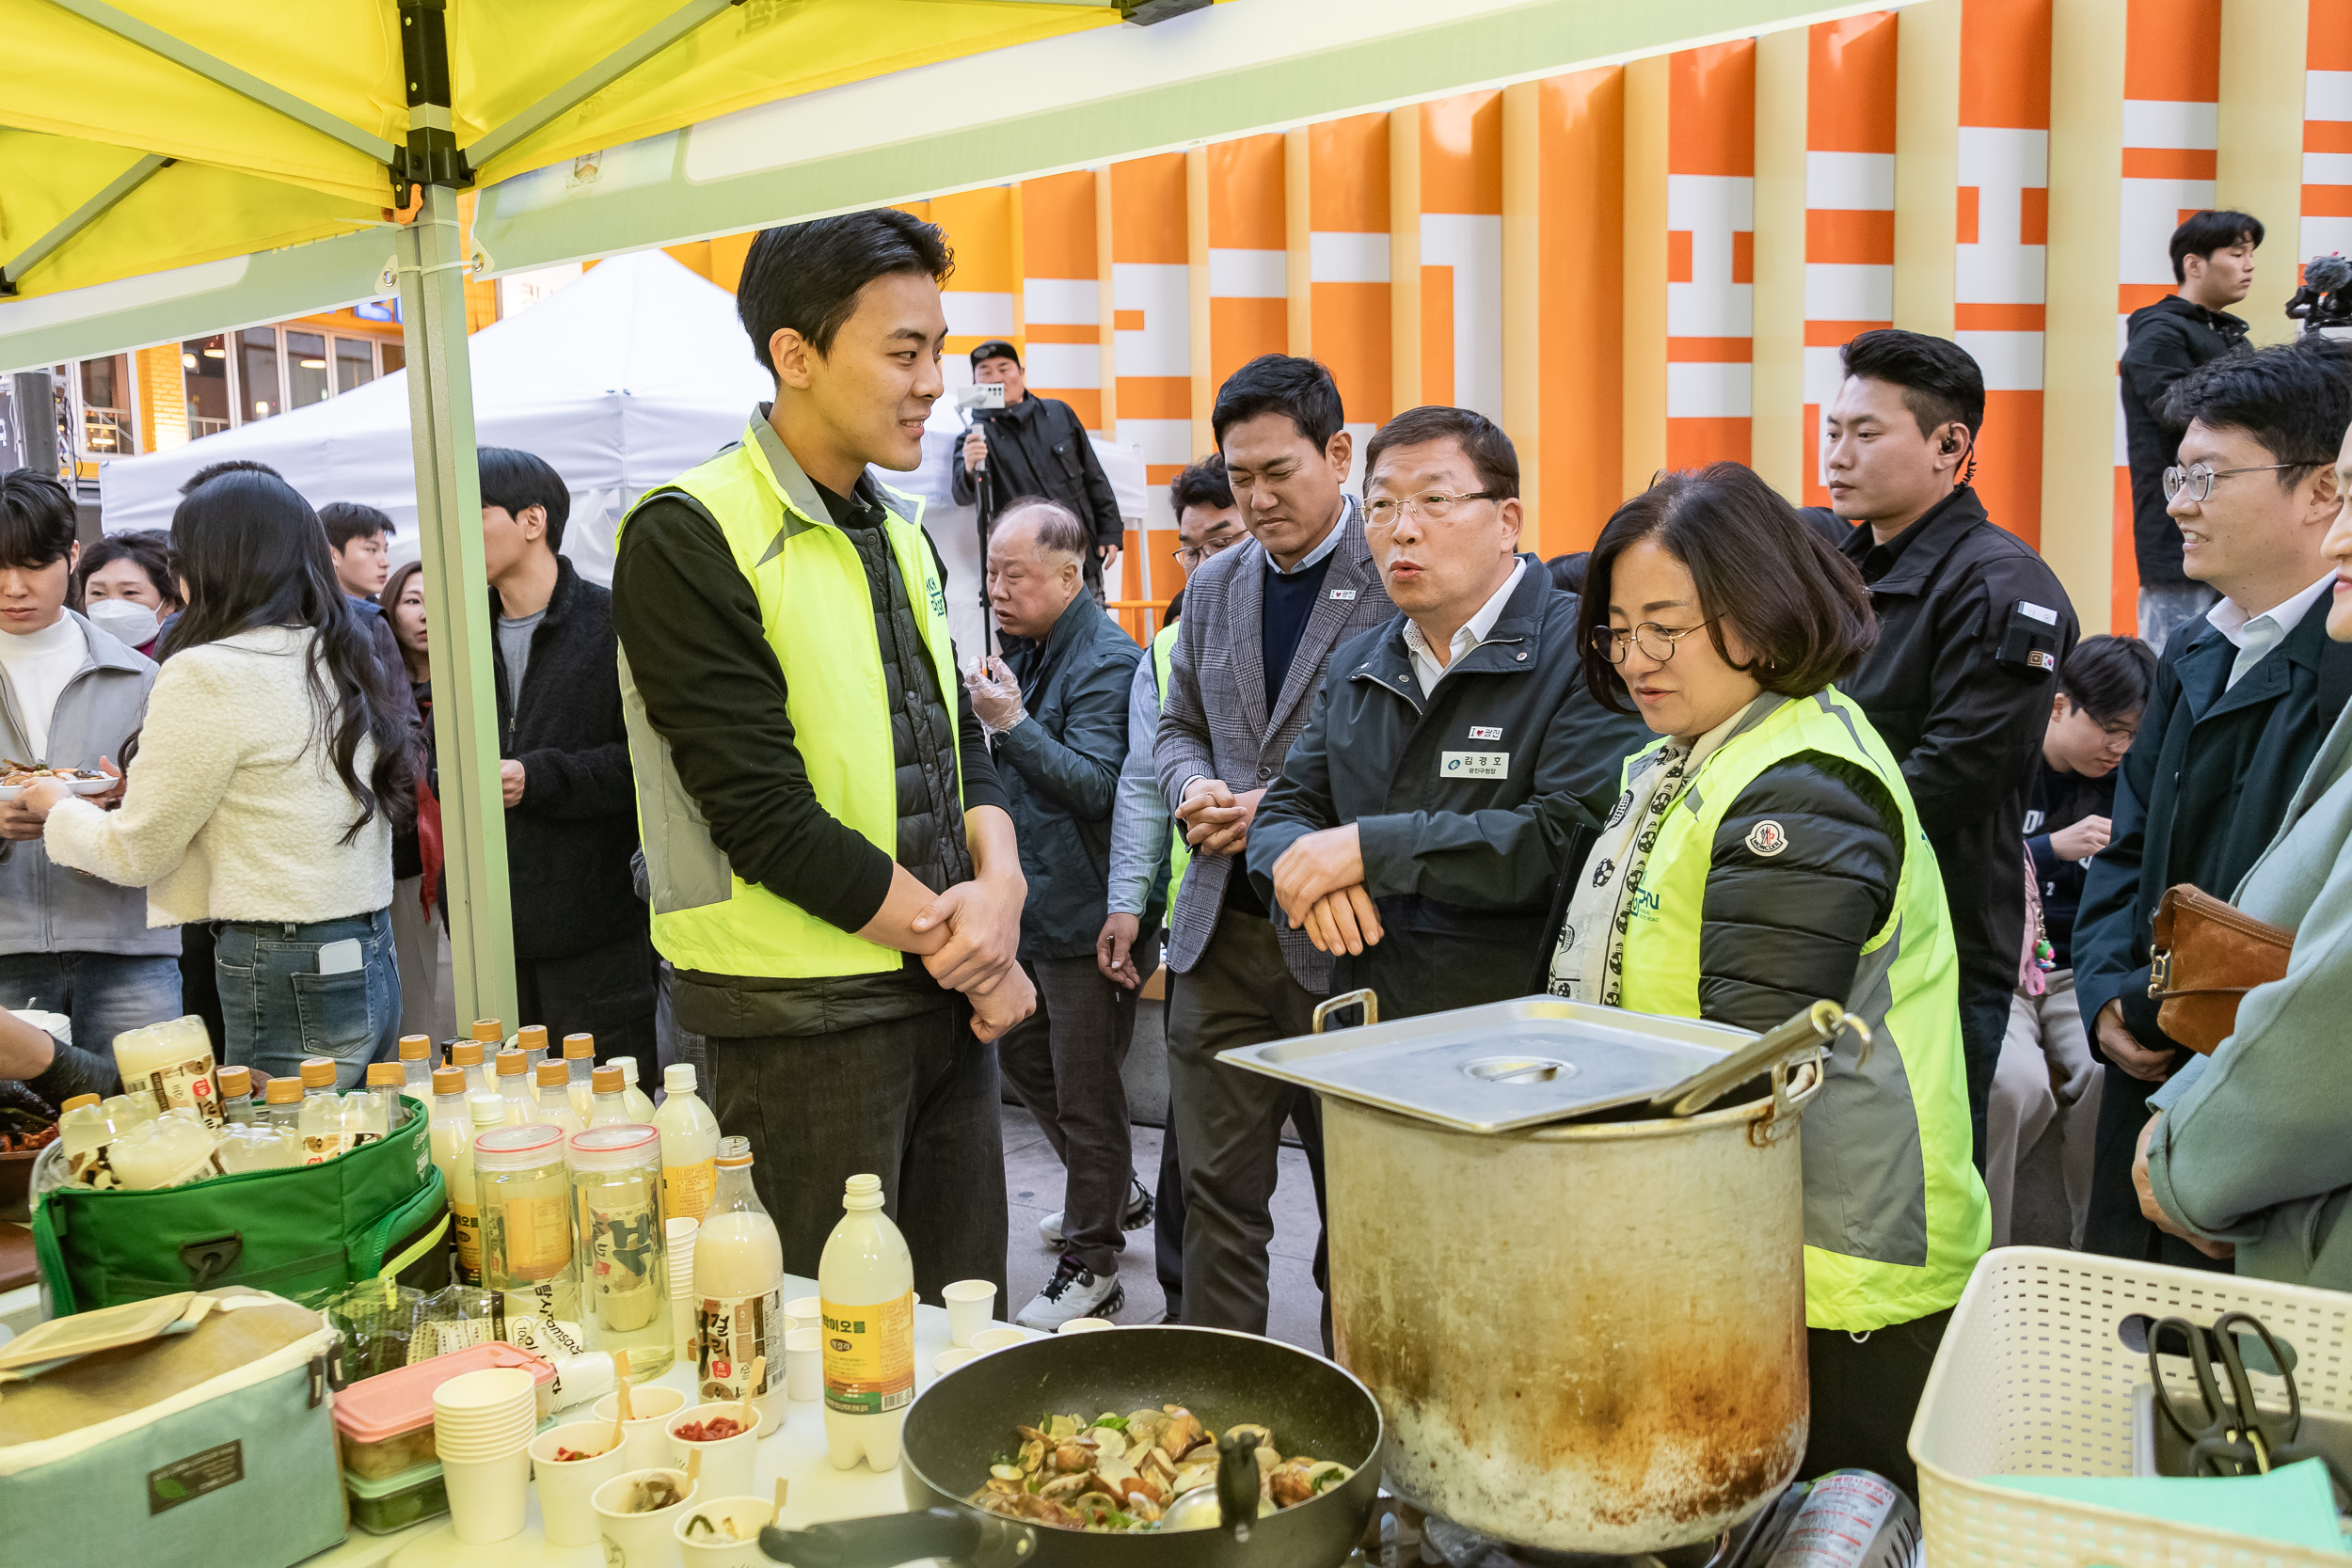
104,993
276,1008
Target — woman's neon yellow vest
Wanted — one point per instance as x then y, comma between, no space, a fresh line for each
818,612
1180,854
1895,1216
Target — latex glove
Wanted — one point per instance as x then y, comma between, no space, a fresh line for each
996,694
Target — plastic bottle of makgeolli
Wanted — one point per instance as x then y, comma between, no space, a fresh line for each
867,1283
689,1145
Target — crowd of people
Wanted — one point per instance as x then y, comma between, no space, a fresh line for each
1740,757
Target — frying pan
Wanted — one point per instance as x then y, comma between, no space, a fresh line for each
967,1418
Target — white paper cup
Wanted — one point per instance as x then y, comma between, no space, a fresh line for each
748,1514
728,1463
809,1310
1085,1325
648,1444
639,1540
997,1339
486,1496
491,1392
804,1364
566,1487
948,1361
971,1303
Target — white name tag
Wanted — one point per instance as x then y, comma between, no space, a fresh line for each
1485,731
1348,594
1475,765
2038,612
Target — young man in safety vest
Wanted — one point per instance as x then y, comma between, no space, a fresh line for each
832,864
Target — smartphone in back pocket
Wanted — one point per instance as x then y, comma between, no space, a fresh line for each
340,957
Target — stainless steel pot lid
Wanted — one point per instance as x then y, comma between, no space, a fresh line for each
1500,1066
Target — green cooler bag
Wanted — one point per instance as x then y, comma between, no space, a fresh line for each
303,1233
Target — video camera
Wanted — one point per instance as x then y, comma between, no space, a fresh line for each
2323,303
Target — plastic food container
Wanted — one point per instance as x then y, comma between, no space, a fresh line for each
384,1504
385,1423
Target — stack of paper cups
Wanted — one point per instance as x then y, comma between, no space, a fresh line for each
482,1424
681,1243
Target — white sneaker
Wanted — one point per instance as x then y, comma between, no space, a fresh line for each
1072,1293
1137,1215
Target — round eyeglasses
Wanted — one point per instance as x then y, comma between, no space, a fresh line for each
1655,641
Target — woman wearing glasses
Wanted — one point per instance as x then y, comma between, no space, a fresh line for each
1765,855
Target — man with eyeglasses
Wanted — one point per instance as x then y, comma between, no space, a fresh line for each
1418,829
2242,698
1259,623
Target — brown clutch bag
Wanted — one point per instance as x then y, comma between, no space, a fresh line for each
2208,954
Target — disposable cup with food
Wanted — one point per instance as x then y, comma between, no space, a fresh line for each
997,1339
948,1361
635,1539
727,1462
725,1531
1085,1325
648,1439
566,1484
804,1364
971,1304
486,1496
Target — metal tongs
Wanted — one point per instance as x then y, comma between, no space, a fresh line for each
1804,1038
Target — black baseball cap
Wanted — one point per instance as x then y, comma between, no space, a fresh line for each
995,348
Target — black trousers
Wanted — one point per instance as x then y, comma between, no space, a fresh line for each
1167,1203
607,991
2115,1227
1983,1025
912,1101
1864,1393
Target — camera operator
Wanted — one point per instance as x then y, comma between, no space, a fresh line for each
1035,446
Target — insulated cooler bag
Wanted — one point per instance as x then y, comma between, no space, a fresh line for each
209,1449
303,1233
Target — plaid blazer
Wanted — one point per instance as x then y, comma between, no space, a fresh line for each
1213,721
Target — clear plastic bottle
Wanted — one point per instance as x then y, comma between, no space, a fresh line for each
866,1281
616,1192
259,1146
416,1066
640,1108
451,1128
169,1064
579,1062
524,1195
555,1098
325,1128
126,1111
466,1055
281,1103
689,1145
739,1290
513,1076
236,1095
532,1040
483,1113
608,1108
83,1134
373,1112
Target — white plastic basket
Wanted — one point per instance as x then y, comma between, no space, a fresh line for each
2033,1376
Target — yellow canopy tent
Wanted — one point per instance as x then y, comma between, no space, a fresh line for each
167,170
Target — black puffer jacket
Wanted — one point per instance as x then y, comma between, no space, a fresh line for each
2164,341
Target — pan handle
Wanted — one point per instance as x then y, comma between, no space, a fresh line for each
1817,1026
963,1535
1349,999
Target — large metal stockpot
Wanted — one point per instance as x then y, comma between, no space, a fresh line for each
1587,1337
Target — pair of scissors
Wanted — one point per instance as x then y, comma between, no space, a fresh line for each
2227,1433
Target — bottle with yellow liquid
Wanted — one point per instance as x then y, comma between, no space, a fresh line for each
620,1243
513,1076
483,1112
579,1063
555,1098
689,1145
525,1199
866,1280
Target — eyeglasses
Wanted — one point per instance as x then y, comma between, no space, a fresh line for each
2197,479
1655,641
1382,516
1190,556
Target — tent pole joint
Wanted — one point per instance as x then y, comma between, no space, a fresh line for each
432,156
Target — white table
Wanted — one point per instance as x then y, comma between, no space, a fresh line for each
797,1453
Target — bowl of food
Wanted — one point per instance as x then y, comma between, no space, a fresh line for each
16,777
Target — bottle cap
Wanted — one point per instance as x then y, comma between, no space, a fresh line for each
553,1075
78,1101
678,1078
283,1091
486,1108
617,1145
449,1080
466,1053
234,1081
488,1031
416,1048
318,1073
862,1192
734,1151
628,1066
532,1037
578,1047
386,1075
519,1147
512,1064
606,1080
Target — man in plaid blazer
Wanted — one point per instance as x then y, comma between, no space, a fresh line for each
1259,623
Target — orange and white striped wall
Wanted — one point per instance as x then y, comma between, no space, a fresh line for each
1711,239
1849,206
2326,173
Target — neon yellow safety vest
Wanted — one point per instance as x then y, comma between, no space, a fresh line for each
818,612
1895,1216
1180,854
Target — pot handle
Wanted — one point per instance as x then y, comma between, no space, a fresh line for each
1349,999
962,1535
1809,1031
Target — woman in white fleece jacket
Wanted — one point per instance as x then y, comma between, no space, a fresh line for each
261,788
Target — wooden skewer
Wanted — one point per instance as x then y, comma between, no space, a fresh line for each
783,1486
621,1410
693,1467
759,1369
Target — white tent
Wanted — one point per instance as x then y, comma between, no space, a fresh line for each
623,381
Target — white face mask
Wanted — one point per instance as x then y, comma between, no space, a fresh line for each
127,620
